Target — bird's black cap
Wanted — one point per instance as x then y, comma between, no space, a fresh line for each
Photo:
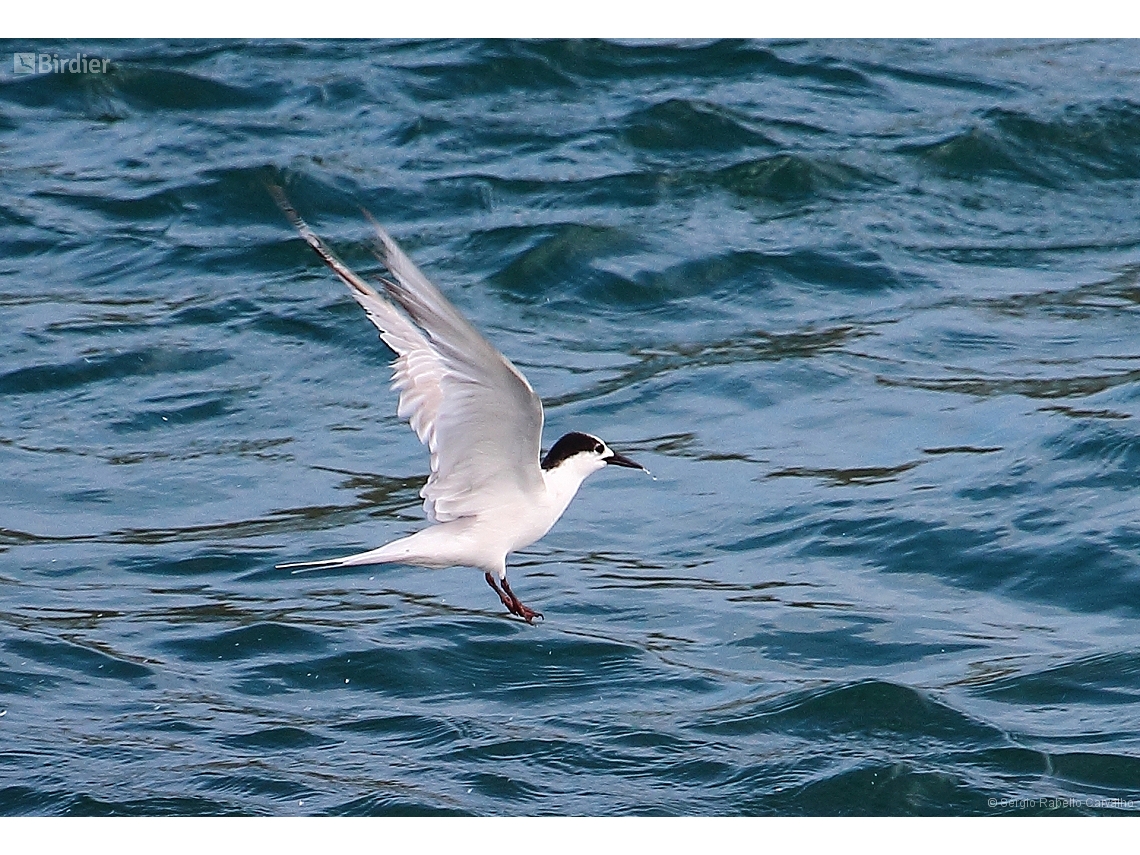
576,443
569,445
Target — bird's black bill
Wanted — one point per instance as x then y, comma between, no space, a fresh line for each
622,460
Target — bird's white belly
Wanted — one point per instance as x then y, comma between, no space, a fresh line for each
482,542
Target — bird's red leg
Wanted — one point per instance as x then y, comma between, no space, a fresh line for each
495,586
508,598
525,612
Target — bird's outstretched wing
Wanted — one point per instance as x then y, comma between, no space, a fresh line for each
476,413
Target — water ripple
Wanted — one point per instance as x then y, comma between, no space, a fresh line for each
866,309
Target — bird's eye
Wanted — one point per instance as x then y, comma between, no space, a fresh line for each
599,448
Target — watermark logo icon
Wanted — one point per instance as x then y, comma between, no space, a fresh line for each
50,63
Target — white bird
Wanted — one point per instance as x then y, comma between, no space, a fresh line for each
489,494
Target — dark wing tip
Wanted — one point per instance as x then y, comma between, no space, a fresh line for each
285,205
314,241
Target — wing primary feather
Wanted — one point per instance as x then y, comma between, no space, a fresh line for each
342,270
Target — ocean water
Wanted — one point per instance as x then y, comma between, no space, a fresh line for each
869,311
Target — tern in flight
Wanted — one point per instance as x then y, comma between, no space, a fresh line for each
489,492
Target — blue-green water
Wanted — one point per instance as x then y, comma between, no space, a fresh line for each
869,311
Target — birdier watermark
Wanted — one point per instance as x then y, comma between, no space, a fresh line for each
31,62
